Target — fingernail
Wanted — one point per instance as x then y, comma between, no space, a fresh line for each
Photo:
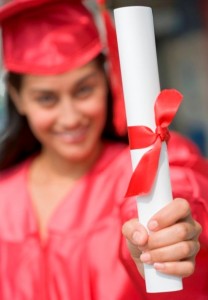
159,266
137,237
145,257
153,224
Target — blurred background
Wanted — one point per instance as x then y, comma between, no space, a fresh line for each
181,29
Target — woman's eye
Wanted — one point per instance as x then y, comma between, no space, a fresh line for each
46,99
84,91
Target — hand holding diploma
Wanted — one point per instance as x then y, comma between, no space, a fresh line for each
173,244
169,250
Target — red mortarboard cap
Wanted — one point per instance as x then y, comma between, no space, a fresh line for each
57,36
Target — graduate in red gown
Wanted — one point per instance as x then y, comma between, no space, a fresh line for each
65,168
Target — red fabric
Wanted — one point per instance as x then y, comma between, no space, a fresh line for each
54,38
10,7
114,69
85,256
166,106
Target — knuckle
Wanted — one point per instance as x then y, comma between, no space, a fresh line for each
182,231
190,268
186,249
184,206
129,227
124,228
198,228
197,247
190,248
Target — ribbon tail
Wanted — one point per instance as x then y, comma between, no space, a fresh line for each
115,72
144,175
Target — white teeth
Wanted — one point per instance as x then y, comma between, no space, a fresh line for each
73,132
72,135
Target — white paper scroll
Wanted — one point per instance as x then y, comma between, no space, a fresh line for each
138,59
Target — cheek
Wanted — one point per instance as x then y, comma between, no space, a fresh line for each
97,111
40,122
96,108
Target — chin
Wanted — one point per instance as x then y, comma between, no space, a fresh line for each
78,154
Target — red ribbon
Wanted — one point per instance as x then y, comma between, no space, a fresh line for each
143,177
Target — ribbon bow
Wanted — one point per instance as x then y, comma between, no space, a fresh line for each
143,177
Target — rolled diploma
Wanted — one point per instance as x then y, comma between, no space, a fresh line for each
140,77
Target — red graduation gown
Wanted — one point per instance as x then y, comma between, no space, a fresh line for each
85,256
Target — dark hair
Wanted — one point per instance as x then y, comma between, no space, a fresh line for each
17,141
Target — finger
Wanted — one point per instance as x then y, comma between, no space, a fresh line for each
135,254
178,209
181,268
174,234
198,228
137,237
135,233
176,252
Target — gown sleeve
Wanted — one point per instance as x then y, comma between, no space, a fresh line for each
189,178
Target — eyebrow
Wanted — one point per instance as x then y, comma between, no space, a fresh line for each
43,91
77,83
88,76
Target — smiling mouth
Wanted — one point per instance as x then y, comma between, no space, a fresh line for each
72,136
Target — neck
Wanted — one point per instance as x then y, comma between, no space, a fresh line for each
57,166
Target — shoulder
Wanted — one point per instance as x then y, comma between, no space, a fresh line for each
11,172
184,153
188,169
115,157
13,205
189,176
12,183
180,147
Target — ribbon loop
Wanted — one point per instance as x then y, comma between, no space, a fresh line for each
143,177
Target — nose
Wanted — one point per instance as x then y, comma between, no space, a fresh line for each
69,114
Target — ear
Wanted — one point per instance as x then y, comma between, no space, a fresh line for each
15,97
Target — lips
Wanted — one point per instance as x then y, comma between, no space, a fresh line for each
72,136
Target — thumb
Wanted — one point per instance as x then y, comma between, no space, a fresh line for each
136,235
137,239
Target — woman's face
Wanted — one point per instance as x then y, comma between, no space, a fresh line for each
66,112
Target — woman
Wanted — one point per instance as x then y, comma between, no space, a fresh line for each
64,172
